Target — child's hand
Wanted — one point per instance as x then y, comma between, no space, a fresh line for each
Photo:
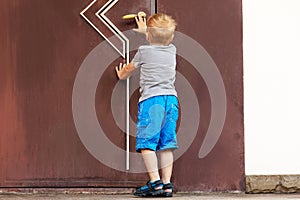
141,23
119,70
124,71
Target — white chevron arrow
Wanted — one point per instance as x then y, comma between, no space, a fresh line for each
124,53
100,14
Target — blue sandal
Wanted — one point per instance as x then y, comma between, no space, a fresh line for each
150,189
168,186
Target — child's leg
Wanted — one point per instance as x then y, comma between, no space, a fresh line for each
154,187
166,162
168,140
150,160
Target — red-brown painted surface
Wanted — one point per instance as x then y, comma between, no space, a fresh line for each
42,46
217,26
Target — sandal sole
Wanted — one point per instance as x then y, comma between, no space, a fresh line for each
150,194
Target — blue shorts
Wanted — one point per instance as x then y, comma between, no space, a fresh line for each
156,123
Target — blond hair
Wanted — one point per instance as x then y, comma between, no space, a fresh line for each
160,29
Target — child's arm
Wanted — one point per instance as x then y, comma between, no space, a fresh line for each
124,71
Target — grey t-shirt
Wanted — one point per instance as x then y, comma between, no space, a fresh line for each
158,70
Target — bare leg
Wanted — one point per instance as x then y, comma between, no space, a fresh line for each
150,161
166,161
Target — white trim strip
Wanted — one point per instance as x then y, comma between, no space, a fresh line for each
124,53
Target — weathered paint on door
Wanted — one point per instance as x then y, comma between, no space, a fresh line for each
42,47
43,44
217,26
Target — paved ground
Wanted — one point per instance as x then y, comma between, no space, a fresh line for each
176,197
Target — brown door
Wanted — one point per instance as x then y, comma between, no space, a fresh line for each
58,72
43,44
215,159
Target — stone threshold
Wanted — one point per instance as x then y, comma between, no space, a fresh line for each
272,184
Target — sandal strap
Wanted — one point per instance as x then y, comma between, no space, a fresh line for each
153,186
150,189
168,186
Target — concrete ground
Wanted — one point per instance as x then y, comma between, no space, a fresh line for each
212,196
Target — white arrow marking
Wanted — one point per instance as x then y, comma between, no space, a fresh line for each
112,27
125,53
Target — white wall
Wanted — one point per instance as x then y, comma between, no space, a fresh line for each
272,86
